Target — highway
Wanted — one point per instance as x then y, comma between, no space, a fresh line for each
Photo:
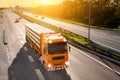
18,61
110,39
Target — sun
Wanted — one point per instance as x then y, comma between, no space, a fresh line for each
45,1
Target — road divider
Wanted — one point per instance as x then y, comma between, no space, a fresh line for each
77,39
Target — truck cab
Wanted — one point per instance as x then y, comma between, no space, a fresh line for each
54,51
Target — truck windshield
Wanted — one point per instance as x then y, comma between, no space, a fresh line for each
58,47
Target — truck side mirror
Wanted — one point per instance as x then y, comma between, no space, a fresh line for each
44,50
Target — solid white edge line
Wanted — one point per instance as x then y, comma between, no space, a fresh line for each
19,37
107,46
7,50
103,33
9,62
98,61
116,37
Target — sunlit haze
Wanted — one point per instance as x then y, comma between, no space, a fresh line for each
28,3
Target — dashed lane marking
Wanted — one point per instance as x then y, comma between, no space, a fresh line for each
30,58
116,37
25,48
19,37
39,74
17,33
22,42
8,55
103,33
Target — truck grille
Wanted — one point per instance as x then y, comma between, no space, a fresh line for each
58,58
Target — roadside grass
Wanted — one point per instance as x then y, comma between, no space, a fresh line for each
76,39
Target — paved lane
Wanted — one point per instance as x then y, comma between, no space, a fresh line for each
3,55
25,66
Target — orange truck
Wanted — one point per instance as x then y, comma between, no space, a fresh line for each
50,47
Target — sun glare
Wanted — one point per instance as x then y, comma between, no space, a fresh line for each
45,1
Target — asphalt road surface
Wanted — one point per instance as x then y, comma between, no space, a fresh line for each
18,61
110,39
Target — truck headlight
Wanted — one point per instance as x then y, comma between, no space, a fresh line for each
64,40
50,41
67,63
49,65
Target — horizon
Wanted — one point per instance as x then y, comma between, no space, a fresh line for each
28,3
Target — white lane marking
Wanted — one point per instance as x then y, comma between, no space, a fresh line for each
25,48
116,37
107,46
8,54
92,30
7,50
22,42
103,33
30,58
98,61
19,37
9,62
13,78
39,74
17,33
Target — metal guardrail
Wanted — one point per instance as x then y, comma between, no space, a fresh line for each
112,53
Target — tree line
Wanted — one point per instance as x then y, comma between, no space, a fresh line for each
105,13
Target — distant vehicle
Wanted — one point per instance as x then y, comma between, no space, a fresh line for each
16,21
19,18
1,16
50,46
42,17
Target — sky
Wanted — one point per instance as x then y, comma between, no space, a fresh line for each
27,3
